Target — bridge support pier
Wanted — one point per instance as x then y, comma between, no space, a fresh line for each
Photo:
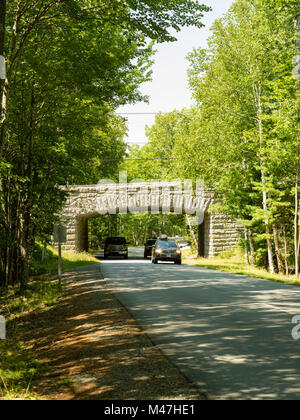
201,240
82,234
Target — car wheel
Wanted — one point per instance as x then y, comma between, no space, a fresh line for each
154,261
178,262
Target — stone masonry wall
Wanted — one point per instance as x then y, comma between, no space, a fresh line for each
224,234
220,233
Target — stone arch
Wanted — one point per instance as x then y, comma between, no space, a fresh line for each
216,234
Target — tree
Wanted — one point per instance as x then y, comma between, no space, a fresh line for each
2,25
291,6
239,83
154,160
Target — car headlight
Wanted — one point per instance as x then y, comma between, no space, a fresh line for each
178,251
158,251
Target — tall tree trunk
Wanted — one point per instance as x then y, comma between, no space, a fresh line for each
252,248
2,25
257,90
297,216
246,246
285,250
297,207
3,255
2,35
277,251
195,242
296,230
268,234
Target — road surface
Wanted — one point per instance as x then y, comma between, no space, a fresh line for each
230,334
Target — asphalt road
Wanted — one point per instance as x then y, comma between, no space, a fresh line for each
230,334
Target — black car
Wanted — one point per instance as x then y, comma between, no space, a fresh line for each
116,247
165,250
148,247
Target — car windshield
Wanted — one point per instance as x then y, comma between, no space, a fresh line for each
116,241
166,244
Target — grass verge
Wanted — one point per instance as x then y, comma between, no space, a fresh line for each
17,366
70,260
233,262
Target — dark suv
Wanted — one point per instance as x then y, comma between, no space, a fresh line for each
116,247
148,247
165,250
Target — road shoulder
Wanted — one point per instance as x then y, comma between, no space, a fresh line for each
92,348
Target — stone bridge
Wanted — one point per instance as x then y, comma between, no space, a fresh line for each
216,233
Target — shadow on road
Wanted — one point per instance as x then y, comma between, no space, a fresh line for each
229,333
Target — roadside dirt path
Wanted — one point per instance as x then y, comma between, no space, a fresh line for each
93,349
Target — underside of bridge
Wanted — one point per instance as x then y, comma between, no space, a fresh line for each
82,234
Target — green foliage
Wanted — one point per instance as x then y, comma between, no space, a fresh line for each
136,228
17,369
292,6
159,158
69,66
155,18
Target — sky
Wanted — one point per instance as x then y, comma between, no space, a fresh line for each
169,89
